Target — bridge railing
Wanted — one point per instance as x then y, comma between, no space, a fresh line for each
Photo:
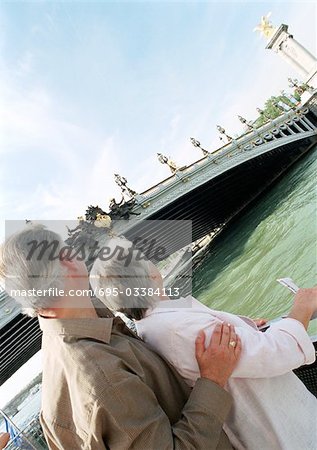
285,125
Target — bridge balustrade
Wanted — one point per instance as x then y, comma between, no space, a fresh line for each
286,126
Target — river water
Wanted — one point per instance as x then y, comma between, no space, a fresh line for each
275,238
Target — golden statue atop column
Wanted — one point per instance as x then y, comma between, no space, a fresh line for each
283,43
265,27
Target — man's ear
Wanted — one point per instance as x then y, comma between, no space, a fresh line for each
67,259
155,275
69,264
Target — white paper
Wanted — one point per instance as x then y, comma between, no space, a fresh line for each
289,283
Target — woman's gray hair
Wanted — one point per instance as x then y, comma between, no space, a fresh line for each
123,281
30,260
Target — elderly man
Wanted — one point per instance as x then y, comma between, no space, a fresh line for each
103,388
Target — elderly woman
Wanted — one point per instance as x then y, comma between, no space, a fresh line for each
272,407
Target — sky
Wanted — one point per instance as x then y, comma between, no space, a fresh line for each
89,89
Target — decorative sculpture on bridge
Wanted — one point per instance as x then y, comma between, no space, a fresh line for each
223,132
197,144
122,183
97,222
165,160
121,210
91,214
114,207
265,27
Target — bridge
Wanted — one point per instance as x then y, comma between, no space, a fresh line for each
214,189
209,192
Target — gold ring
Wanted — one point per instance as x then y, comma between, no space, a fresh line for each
233,343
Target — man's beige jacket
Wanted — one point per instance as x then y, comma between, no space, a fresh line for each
103,388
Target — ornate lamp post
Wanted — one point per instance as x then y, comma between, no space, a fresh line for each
122,183
246,123
263,114
293,83
285,96
165,160
279,107
197,144
290,96
222,131
300,87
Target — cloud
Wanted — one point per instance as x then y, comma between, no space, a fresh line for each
25,65
73,166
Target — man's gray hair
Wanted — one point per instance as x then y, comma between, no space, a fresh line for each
123,281
30,260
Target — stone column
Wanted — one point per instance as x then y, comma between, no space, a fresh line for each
283,43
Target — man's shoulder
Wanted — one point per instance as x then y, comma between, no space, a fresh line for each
85,362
